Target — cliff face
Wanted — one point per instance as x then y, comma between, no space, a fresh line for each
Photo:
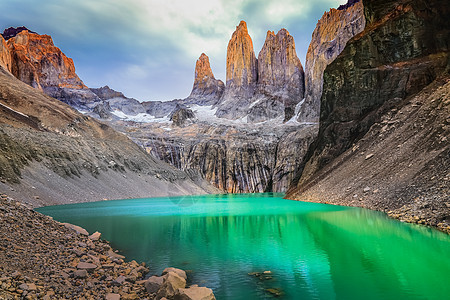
328,40
36,61
242,74
280,77
263,89
234,159
207,90
5,55
242,68
375,88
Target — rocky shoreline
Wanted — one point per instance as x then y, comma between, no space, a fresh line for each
41,258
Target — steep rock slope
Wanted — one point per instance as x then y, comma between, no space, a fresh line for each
207,90
383,71
36,61
263,89
5,55
280,78
328,40
236,159
51,154
242,74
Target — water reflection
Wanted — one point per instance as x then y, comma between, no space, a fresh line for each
313,251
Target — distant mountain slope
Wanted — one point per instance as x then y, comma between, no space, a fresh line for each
51,154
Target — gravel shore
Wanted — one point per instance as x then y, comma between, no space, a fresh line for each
41,258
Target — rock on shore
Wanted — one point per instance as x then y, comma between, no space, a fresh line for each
43,259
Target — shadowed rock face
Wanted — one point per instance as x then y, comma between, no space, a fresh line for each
404,47
328,40
206,90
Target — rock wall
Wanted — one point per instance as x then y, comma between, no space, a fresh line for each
263,89
233,159
36,61
328,40
242,74
207,90
403,49
5,55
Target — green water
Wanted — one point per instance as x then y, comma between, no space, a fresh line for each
315,251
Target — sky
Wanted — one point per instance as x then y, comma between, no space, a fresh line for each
147,49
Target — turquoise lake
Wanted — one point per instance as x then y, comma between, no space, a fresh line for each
314,251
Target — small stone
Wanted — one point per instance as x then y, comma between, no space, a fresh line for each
112,296
119,280
366,189
113,254
78,229
86,266
369,156
80,274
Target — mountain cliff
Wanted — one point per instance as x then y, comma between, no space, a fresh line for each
207,90
36,61
384,116
265,88
328,40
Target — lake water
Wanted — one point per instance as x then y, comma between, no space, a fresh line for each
314,251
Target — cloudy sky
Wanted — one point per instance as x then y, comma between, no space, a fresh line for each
148,48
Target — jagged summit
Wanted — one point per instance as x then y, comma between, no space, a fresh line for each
13,31
207,90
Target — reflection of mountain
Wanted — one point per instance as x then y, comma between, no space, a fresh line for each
314,251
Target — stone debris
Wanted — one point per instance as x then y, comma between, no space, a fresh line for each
43,259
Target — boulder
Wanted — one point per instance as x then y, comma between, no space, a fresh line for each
95,236
153,284
172,282
86,266
80,274
78,229
194,293
179,272
112,296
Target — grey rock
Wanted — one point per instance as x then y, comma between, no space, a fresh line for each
80,274
153,284
78,229
179,272
194,293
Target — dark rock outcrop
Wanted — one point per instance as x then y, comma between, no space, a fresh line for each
328,40
13,31
404,47
182,116
207,90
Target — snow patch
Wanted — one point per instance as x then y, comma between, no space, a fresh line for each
140,118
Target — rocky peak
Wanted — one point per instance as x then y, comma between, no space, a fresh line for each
242,69
206,89
280,72
13,31
329,38
37,62
105,93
